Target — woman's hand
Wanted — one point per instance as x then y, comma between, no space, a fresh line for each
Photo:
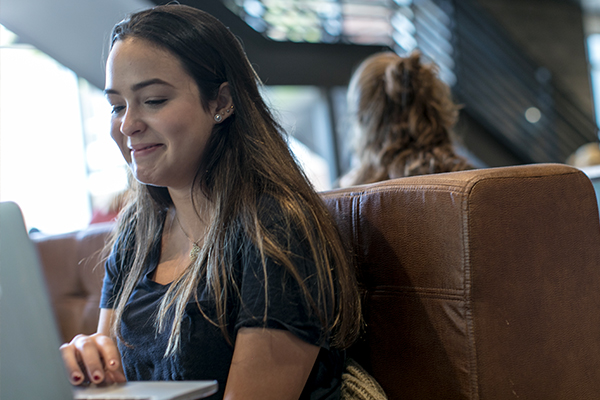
94,358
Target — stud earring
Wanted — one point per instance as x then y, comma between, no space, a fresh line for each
230,109
218,117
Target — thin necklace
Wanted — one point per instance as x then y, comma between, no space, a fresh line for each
195,248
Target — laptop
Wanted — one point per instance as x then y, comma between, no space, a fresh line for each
31,366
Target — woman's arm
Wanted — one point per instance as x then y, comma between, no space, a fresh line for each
269,364
95,356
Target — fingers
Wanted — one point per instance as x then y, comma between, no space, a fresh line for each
113,368
95,357
114,376
69,355
89,354
109,353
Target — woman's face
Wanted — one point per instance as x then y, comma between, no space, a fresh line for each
158,120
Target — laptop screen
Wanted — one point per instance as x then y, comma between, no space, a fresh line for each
31,366
30,361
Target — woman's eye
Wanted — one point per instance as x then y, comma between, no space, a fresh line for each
117,109
155,102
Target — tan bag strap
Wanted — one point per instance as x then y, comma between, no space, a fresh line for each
358,384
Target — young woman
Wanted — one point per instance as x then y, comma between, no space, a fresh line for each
225,264
404,116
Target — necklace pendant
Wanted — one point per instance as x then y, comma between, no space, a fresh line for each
194,252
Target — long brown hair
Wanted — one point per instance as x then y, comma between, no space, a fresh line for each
246,158
404,116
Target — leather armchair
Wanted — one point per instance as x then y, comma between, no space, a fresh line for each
480,284
74,270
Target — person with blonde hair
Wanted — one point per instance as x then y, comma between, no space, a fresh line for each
586,155
225,264
403,116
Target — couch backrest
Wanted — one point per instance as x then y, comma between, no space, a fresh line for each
481,284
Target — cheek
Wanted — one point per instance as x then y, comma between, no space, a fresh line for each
120,140
115,132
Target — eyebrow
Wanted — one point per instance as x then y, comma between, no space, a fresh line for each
140,85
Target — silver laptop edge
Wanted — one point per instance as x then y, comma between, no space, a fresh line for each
31,366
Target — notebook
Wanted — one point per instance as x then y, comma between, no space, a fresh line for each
31,366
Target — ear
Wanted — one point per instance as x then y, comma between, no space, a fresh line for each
223,104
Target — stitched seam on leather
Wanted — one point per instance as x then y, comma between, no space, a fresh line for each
355,220
460,186
466,237
416,295
453,292
416,188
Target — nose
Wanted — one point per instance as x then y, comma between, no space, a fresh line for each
131,122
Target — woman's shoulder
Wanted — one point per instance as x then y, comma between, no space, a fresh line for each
122,250
289,213
272,209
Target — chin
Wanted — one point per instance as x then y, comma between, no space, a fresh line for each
145,180
148,182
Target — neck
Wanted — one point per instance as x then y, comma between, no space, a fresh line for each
193,217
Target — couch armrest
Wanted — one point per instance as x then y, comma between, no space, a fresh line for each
481,284
73,268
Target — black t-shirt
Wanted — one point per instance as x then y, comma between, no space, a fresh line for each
204,351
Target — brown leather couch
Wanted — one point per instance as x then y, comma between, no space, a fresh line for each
74,270
481,284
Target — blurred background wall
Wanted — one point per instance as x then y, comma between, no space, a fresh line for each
525,72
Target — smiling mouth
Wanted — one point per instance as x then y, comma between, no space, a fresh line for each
144,149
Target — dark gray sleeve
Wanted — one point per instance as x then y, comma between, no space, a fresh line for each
272,297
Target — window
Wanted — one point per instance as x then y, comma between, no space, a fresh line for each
303,113
322,21
593,45
44,111
58,161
